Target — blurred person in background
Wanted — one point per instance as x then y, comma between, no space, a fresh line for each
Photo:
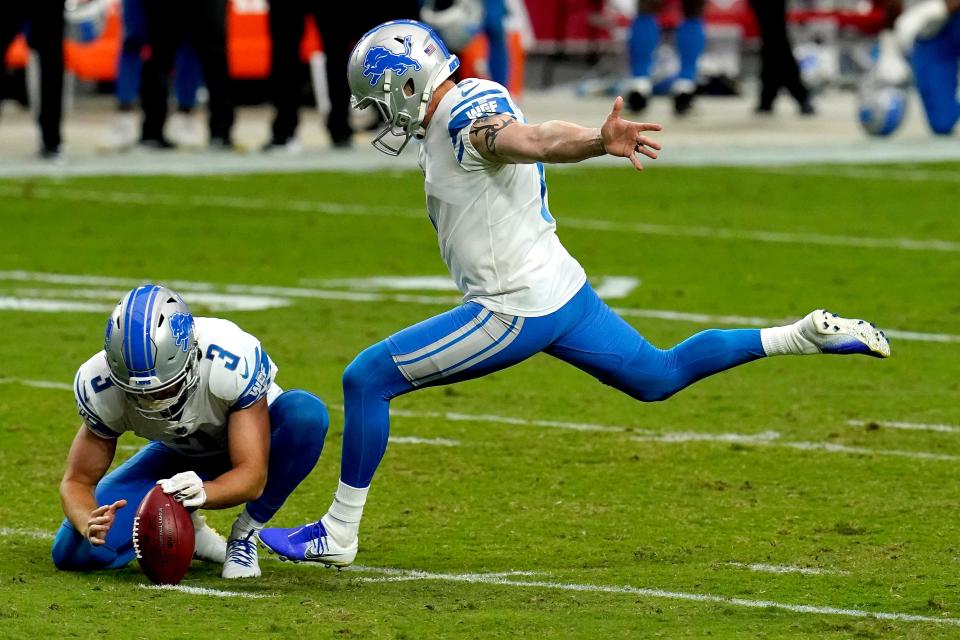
339,31
202,23
644,38
187,80
44,24
925,33
778,67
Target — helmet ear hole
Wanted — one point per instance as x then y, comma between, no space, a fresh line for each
408,88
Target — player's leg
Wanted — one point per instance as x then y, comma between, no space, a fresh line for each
286,32
644,38
123,133
164,34
691,40
298,424
606,346
494,13
934,63
130,481
46,38
463,343
209,39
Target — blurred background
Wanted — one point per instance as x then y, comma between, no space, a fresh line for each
148,86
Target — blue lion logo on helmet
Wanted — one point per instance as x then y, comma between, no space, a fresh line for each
379,59
180,326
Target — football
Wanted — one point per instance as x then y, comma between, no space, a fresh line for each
163,538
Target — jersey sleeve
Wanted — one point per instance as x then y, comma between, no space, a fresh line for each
477,99
241,372
97,399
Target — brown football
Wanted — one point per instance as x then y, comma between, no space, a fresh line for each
163,538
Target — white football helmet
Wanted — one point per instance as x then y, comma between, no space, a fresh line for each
152,351
84,20
397,66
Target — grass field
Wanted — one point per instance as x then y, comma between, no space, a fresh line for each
788,498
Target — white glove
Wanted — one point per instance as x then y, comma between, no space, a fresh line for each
922,20
892,68
187,488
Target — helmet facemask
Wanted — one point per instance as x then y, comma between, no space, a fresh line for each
166,403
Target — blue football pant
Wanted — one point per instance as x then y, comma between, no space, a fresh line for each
935,67
494,13
645,36
298,423
470,341
188,74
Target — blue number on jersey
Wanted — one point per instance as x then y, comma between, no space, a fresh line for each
99,384
230,360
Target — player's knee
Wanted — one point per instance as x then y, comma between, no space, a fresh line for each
304,413
72,552
367,373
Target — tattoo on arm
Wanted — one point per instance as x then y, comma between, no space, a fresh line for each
488,129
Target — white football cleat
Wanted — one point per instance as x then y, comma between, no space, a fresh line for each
242,559
210,545
185,131
831,333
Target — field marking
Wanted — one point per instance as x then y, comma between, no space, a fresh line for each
439,442
204,591
505,579
17,532
212,301
906,426
473,578
372,210
865,173
39,384
786,568
765,440
360,296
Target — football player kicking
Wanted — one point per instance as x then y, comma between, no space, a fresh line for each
222,434
524,293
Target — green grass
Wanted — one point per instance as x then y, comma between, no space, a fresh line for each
595,508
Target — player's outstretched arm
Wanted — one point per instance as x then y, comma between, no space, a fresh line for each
90,457
501,138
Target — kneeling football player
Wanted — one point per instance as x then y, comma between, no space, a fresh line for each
221,432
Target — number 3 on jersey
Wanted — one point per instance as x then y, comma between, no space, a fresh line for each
230,360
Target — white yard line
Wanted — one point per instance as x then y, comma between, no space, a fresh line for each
906,426
871,173
204,591
439,442
508,579
499,580
765,440
17,532
39,384
786,568
365,296
370,210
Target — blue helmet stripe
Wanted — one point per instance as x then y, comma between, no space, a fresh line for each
128,310
147,343
138,329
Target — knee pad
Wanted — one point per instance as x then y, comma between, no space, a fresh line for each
371,371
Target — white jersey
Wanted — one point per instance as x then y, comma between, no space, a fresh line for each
235,372
495,230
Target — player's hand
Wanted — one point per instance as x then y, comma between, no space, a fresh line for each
100,521
625,139
187,489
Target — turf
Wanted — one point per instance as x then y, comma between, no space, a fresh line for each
613,508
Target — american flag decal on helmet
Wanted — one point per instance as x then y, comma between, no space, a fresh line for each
430,49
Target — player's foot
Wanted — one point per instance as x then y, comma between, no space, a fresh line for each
831,333
638,94
683,92
309,543
242,559
123,133
290,147
210,545
185,130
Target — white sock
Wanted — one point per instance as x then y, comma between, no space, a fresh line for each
787,341
244,524
342,520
